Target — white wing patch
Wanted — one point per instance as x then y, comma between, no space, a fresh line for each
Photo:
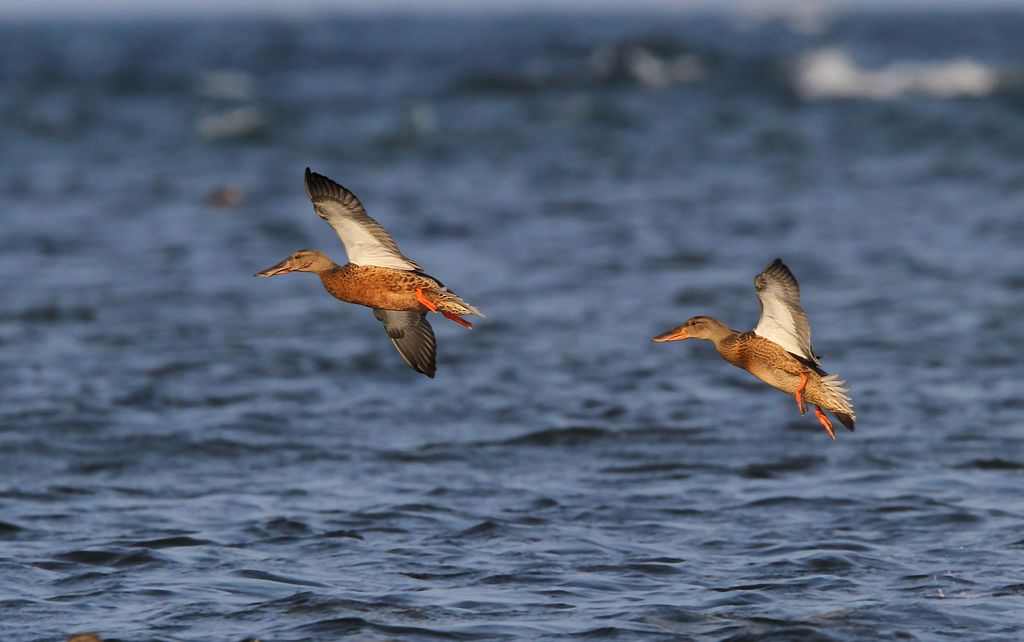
366,241
783,321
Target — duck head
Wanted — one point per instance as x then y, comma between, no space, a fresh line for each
301,261
696,328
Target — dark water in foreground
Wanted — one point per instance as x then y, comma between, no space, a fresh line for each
190,453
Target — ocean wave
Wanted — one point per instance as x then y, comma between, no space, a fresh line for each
832,73
646,62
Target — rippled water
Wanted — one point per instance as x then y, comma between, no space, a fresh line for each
190,453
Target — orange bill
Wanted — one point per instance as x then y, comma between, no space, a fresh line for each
675,334
281,268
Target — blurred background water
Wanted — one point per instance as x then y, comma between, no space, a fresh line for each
190,453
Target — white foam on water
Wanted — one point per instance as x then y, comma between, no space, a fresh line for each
831,73
234,123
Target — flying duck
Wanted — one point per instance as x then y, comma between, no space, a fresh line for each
377,275
778,351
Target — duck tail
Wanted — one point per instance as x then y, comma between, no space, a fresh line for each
837,401
453,304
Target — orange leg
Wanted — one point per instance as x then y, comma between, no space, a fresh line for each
824,422
424,300
465,324
800,393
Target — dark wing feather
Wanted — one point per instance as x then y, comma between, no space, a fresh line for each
366,241
413,337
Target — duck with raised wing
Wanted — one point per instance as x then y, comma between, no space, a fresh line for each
778,351
377,275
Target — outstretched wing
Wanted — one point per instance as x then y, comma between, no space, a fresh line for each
413,337
366,242
782,320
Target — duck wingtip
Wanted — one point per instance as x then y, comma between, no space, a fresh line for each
848,420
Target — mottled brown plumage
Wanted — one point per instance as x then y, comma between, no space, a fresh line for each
389,289
766,359
781,370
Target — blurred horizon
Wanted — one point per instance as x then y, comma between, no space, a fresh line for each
64,9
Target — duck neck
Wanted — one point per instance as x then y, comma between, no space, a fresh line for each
323,267
718,333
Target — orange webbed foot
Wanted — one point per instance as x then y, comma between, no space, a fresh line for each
800,393
824,422
424,300
465,324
